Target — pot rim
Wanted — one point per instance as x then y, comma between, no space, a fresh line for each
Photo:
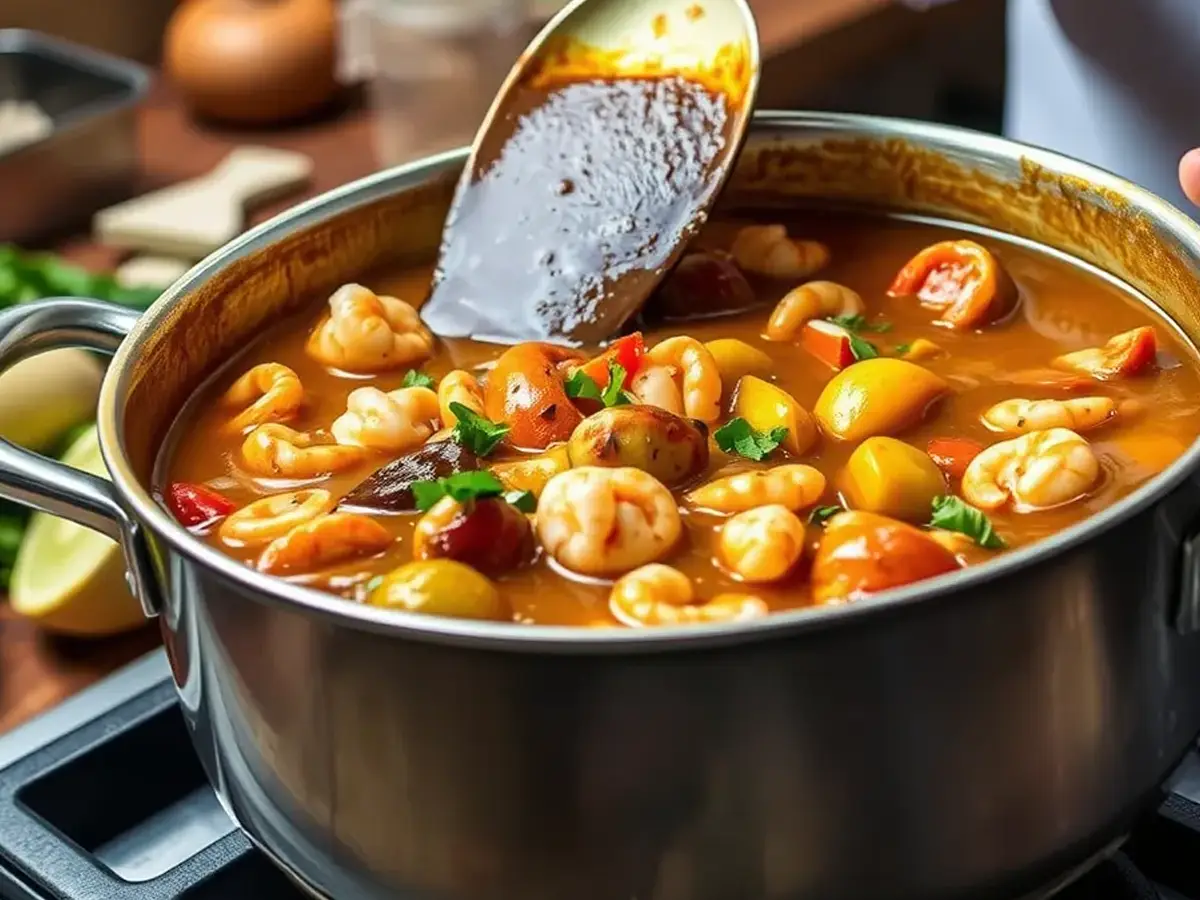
571,639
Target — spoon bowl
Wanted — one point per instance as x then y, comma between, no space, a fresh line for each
598,161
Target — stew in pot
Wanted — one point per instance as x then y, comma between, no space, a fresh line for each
814,408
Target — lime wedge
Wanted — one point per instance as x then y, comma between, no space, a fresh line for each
69,578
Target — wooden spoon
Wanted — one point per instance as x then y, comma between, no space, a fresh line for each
599,160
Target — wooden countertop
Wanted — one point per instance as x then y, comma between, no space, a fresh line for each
37,671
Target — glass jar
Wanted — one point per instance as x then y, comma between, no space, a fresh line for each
436,66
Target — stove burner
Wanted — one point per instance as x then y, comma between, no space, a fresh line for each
103,797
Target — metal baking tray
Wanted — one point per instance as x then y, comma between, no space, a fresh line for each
89,157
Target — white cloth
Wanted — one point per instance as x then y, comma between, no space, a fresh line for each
1112,82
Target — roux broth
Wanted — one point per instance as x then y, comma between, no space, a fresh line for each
1063,308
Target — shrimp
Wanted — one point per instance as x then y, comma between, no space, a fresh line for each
1021,416
365,332
767,250
701,379
276,451
761,544
393,422
598,521
655,386
1038,470
458,387
1125,354
793,487
269,392
656,594
272,517
323,541
815,300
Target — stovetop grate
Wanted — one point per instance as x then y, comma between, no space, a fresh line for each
86,813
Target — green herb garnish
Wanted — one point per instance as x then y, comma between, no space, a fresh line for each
952,514
525,501
373,583
414,378
462,487
822,513
901,349
32,276
736,436
862,349
473,431
859,323
582,386
614,394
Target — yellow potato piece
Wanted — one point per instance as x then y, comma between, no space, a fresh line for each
892,478
765,406
876,396
736,359
531,474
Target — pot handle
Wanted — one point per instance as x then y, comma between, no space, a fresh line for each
44,484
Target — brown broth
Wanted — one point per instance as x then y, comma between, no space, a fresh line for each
1063,308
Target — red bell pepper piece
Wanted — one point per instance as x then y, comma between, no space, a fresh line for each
196,506
1125,354
627,352
953,455
828,342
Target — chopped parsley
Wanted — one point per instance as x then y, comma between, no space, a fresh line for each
862,349
736,436
953,514
902,349
466,487
525,501
823,513
581,385
858,323
414,378
473,431
462,487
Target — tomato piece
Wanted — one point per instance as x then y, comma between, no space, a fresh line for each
527,390
953,455
828,342
627,352
1124,355
196,506
961,279
862,553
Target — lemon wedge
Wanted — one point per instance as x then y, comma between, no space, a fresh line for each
68,578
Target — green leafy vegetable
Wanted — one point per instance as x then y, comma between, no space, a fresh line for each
32,276
614,393
952,514
473,431
462,486
736,436
822,513
525,501
414,378
581,385
859,323
901,349
862,349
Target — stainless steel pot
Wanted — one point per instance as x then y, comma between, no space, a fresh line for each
978,734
